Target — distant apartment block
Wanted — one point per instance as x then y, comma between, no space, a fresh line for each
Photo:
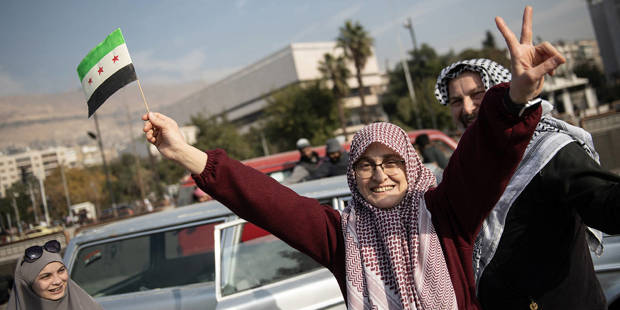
572,97
38,163
242,96
579,52
605,16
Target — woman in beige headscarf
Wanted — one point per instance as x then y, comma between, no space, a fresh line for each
42,282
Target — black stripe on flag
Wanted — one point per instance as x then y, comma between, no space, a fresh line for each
116,81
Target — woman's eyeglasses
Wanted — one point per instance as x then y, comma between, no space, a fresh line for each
35,252
364,169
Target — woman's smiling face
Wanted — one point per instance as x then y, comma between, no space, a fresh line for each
51,283
380,189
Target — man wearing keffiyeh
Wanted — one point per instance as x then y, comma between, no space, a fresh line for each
533,247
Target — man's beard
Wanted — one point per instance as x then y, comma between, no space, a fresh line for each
468,119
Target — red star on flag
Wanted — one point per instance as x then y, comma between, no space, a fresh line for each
115,59
100,70
90,80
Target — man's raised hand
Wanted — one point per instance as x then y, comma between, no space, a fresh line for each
529,63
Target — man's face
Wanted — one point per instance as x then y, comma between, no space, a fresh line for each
334,157
307,151
465,95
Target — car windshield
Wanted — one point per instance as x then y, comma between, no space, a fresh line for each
258,258
146,262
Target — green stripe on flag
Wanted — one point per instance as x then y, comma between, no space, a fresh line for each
112,41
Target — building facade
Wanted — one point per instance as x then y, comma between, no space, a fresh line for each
605,16
38,163
242,96
578,52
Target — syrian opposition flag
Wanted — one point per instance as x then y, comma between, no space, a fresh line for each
105,69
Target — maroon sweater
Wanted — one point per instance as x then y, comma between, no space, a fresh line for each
477,174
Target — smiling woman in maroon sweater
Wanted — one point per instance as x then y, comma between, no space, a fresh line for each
400,239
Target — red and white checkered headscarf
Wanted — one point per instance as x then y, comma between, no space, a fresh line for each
394,258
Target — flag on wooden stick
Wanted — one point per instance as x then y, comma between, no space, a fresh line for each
105,69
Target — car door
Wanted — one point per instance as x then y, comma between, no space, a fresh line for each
167,268
256,270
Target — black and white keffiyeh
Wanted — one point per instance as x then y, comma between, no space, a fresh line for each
491,74
550,136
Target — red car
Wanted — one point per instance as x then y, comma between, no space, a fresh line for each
280,165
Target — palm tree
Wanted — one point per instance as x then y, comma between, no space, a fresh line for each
335,69
356,43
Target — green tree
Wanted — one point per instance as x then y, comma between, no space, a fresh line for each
218,132
25,206
606,92
424,66
356,43
83,184
126,183
335,69
300,111
489,41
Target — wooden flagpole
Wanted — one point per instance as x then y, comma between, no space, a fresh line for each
143,98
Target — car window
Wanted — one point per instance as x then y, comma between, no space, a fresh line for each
251,257
163,259
281,175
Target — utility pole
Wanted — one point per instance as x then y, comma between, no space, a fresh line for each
409,83
8,221
44,200
34,204
105,167
263,142
64,185
409,25
17,219
136,158
158,189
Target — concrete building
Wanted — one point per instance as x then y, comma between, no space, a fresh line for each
578,52
572,97
34,162
242,96
605,16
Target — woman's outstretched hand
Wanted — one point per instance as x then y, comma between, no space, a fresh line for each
164,133
529,63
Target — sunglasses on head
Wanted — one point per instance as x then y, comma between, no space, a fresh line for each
35,252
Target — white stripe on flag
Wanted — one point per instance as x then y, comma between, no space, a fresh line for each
109,68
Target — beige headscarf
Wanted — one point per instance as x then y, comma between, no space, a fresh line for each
23,296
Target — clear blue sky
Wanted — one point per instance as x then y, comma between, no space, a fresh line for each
179,41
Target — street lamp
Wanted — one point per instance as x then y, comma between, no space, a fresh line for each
105,164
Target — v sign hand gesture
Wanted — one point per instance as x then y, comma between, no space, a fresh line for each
529,63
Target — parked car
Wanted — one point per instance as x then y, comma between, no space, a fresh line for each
279,166
607,267
203,257
121,211
39,231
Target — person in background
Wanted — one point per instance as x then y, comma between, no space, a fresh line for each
335,163
307,164
430,153
401,242
200,196
533,249
42,283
